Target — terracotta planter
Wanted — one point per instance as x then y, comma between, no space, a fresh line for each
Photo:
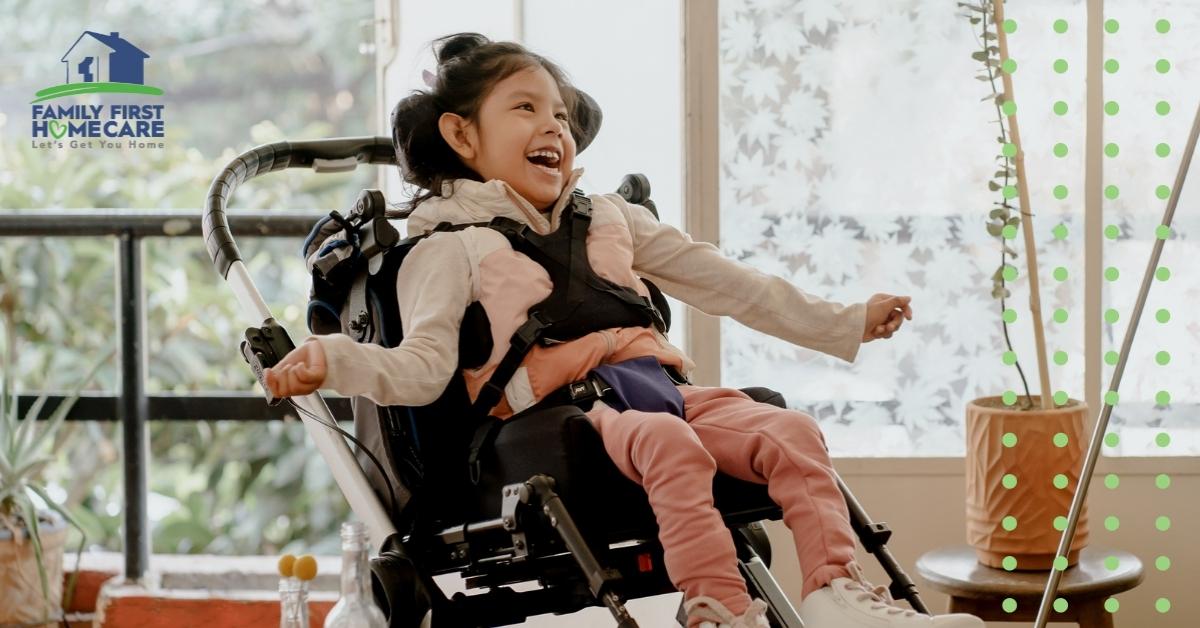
21,600
1035,501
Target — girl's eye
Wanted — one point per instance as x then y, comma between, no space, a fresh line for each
561,116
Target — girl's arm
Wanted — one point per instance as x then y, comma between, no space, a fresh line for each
699,275
433,288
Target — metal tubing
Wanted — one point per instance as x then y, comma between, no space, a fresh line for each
160,223
133,406
331,445
321,155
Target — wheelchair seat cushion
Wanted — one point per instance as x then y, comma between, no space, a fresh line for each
562,443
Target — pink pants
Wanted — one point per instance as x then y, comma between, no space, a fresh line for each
728,431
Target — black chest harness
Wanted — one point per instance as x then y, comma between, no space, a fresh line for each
581,302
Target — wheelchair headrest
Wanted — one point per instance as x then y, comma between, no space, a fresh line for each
585,120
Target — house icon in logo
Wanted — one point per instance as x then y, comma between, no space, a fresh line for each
101,64
99,58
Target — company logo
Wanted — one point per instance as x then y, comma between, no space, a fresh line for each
99,64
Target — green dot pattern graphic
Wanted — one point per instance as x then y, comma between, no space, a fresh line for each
1111,316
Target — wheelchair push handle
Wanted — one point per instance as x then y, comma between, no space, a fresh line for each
266,343
340,154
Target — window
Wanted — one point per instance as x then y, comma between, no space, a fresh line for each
856,148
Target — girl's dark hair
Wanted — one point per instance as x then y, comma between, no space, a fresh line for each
468,66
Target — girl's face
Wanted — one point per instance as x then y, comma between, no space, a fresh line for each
522,136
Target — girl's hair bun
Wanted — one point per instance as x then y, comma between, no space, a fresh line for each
458,45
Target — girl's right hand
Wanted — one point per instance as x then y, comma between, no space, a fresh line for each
299,372
885,313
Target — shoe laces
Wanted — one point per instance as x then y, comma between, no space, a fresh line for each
879,596
712,610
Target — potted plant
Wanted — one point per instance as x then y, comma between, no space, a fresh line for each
31,540
1023,453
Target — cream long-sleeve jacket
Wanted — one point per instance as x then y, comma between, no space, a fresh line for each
448,271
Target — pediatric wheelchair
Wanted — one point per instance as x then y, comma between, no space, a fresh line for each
548,505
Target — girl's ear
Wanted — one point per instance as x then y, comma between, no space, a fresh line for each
458,133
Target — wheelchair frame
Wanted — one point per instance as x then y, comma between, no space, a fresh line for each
267,343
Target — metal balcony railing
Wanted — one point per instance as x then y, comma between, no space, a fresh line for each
131,405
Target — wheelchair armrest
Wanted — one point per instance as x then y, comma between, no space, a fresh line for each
765,395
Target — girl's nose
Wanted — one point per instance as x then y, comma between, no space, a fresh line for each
552,125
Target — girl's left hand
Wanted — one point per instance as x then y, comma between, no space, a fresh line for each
885,313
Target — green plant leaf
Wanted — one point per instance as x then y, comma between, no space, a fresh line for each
25,426
60,413
69,594
35,537
6,468
30,467
8,414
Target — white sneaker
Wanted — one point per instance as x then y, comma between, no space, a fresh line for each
715,615
854,603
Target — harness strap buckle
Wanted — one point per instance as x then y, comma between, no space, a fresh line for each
529,332
591,388
581,205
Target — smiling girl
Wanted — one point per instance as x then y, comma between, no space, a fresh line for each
495,136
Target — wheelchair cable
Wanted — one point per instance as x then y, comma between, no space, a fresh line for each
361,447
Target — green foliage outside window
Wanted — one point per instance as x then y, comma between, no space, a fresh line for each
235,75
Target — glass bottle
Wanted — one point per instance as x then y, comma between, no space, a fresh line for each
356,608
293,611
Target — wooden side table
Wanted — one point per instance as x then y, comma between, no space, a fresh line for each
980,590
